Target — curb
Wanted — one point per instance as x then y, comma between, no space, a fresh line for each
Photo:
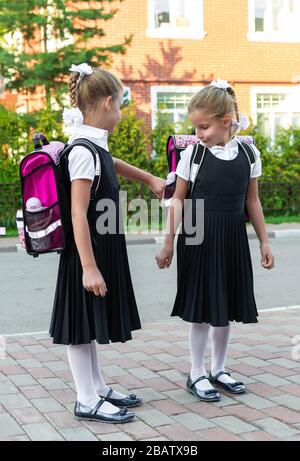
10,249
284,233
158,240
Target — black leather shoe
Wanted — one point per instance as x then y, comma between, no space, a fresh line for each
235,388
212,395
131,401
93,414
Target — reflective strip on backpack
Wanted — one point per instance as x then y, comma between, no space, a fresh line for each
44,232
98,167
98,171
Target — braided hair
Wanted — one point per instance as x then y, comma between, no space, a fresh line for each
85,91
73,81
231,91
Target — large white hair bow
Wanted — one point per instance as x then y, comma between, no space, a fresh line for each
243,124
83,69
73,118
223,84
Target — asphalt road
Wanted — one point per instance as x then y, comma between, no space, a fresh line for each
27,284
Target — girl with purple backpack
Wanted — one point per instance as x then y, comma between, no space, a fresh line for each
215,278
94,299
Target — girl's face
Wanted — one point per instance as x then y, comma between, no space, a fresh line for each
112,108
106,113
210,130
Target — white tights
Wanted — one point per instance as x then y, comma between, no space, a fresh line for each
198,343
87,377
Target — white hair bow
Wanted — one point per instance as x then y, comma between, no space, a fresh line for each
223,84
83,69
243,124
73,118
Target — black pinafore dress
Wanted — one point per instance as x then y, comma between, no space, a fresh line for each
215,278
78,315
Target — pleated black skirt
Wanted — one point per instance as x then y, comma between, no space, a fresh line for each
215,278
79,316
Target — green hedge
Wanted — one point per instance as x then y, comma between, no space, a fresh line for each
136,144
16,131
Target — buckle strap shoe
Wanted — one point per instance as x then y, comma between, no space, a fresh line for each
211,395
130,401
235,388
82,412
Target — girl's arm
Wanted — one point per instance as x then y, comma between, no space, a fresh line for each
164,257
80,199
157,185
256,216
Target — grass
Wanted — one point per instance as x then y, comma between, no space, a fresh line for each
11,233
282,219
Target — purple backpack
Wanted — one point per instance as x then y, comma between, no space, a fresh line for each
46,198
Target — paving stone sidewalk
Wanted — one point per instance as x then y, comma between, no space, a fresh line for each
37,391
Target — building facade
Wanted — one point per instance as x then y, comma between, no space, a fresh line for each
178,46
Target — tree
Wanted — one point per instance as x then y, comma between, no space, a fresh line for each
40,39
129,142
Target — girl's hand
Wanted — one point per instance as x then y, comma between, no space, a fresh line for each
164,257
94,282
267,259
157,185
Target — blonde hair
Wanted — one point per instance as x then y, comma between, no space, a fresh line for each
217,101
86,92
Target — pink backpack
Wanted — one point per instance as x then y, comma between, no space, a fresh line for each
45,190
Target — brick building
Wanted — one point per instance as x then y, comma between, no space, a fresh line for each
180,45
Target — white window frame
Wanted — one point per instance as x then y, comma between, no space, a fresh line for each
13,39
273,90
54,44
168,89
268,36
176,32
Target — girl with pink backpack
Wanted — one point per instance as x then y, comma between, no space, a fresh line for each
94,299
215,277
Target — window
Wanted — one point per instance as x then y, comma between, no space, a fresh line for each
54,42
274,20
172,101
176,18
275,108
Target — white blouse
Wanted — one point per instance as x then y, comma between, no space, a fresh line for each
81,161
227,152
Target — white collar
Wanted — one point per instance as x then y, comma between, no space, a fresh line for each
230,145
96,135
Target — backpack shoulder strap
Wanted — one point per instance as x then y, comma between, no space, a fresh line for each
197,155
90,146
247,148
197,158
